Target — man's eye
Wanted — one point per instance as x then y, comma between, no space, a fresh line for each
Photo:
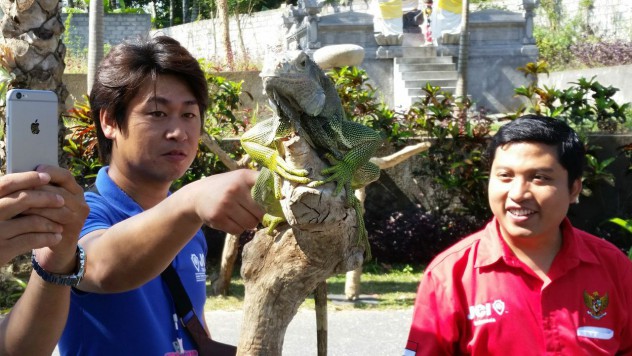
158,114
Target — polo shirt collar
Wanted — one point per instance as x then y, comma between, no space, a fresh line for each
115,195
492,248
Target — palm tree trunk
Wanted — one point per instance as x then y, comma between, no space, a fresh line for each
32,33
95,40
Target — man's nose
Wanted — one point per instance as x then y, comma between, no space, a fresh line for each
519,190
177,132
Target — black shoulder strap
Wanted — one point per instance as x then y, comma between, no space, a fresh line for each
179,294
93,189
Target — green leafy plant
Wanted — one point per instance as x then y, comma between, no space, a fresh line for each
556,36
596,171
223,116
11,290
455,159
625,225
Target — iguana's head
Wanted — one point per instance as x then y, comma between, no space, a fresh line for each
294,84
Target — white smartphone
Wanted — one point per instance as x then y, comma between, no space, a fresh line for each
32,129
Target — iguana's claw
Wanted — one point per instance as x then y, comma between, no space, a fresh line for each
341,173
271,222
292,174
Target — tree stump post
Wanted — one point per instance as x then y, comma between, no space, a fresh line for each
229,256
280,271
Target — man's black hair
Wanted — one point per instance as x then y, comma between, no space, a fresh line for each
546,130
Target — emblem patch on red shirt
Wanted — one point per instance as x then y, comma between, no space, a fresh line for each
596,304
482,313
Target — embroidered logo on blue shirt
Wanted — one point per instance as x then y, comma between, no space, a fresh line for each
200,266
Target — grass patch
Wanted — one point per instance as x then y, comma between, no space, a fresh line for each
394,287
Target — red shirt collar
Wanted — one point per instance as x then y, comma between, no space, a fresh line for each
492,248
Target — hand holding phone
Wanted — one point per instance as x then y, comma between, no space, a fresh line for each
32,129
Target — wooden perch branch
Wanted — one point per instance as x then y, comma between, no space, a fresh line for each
400,156
212,144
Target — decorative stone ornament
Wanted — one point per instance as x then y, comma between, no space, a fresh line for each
339,56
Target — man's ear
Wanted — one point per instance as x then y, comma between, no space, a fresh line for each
108,124
576,189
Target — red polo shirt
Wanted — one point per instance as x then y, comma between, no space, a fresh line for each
478,298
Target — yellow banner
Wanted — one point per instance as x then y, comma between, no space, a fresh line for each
455,6
391,9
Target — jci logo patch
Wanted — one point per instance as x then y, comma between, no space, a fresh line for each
484,313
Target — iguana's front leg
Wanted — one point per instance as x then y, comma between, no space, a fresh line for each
260,143
263,192
354,168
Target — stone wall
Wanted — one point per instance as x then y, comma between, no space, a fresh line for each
116,29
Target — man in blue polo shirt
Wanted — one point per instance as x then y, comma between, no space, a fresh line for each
147,103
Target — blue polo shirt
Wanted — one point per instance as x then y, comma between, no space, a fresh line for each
140,321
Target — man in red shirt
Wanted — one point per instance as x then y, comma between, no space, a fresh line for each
529,283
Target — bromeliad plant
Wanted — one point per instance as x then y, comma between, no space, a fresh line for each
80,145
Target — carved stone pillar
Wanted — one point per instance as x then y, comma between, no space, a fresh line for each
529,6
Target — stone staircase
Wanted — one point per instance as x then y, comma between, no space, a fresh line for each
418,66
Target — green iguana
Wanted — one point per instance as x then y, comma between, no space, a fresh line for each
307,104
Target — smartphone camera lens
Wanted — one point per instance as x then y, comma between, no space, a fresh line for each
18,95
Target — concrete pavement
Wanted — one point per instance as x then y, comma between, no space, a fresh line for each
351,332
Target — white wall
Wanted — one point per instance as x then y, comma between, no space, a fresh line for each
260,32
